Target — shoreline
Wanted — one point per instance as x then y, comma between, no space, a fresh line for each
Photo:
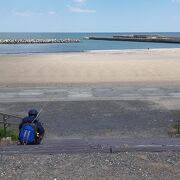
93,51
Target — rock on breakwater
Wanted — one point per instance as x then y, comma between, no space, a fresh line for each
37,41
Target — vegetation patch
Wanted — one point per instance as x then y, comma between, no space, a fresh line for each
9,136
176,126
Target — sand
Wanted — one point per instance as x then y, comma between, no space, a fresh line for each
136,66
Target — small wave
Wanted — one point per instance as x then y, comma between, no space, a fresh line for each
132,50
29,53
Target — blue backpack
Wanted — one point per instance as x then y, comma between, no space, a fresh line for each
28,134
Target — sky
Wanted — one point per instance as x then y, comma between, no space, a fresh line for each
89,15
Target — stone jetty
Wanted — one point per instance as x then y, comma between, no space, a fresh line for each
140,38
38,41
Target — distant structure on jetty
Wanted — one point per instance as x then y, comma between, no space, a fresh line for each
37,41
140,38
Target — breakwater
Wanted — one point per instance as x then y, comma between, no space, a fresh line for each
140,38
38,41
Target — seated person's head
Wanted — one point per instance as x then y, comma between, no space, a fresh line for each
33,113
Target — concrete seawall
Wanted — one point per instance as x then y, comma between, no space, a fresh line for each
141,38
38,41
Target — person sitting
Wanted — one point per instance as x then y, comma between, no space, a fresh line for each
31,130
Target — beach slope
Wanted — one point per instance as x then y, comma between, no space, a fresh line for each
140,66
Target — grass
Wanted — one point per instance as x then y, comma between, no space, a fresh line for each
9,133
176,126
177,113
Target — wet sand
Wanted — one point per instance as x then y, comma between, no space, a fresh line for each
136,66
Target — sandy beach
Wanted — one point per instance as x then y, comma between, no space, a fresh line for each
136,66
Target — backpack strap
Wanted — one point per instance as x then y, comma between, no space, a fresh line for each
24,136
27,137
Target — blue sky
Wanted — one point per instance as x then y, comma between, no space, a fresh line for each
89,15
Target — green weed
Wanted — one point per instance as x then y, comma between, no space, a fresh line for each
9,133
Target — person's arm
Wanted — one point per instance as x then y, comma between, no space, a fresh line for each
40,129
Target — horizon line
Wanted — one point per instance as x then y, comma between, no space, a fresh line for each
90,32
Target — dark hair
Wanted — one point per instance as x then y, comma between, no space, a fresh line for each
33,112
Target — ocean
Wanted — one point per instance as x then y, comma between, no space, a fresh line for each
83,46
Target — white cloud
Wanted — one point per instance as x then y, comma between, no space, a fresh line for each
80,10
79,1
23,13
51,13
28,13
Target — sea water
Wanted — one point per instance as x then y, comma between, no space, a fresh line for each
84,46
